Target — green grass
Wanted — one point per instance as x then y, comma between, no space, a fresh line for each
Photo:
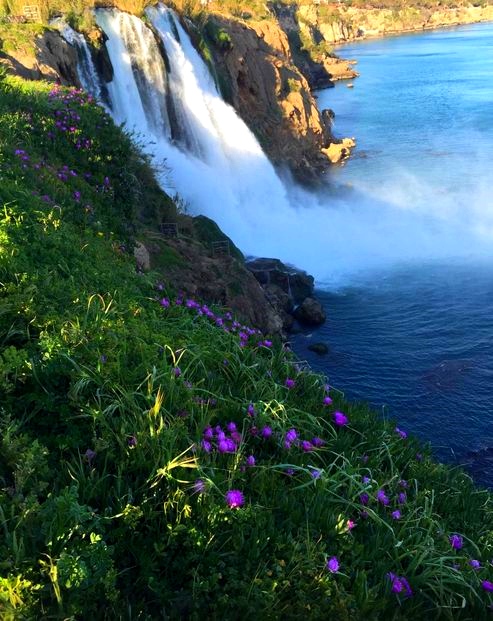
100,435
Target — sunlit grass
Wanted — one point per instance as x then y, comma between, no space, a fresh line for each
128,413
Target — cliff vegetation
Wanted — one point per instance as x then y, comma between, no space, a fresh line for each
158,458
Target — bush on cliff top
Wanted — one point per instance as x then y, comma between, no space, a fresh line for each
158,459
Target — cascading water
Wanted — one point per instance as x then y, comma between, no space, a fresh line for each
213,147
220,170
86,70
139,86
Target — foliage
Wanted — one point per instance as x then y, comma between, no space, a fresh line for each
158,459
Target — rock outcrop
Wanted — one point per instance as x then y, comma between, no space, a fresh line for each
190,264
310,312
51,58
289,290
273,97
349,23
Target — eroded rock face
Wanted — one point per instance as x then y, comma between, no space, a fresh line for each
53,60
273,97
190,266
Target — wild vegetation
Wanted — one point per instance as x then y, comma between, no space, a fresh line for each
158,459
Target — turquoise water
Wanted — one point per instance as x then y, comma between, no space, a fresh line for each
415,338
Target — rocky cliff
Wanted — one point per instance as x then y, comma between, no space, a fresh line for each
273,96
347,23
44,54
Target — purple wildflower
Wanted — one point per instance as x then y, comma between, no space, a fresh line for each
396,515
291,435
475,564
315,474
234,499
333,564
208,433
236,437
251,410
90,455
382,497
400,584
289,472
250,461
328,401
487,585
199,486
165,303
307,446
206,446
132,441
365,479
401,433
456,541
289,383
177,371
267,432
364,498
402,498
318,442
403,483
231,427
77,195
340,419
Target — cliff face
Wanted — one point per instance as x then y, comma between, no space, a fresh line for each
274,98
48,57
348,23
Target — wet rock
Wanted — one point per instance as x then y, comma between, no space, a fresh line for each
310,312
319,348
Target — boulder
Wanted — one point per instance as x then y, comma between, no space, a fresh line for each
319,348
310,312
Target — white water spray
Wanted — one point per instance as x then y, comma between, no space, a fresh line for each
220,170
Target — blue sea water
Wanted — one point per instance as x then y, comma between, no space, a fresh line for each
415,338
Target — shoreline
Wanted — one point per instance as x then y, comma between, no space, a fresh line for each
408,31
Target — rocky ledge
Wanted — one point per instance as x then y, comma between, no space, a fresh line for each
289,290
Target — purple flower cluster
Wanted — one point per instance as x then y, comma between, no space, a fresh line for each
216,439
247,335
234,499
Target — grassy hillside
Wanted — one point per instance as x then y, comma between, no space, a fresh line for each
158,459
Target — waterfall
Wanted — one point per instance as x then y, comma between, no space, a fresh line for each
216,163
139,86
218,168
88,76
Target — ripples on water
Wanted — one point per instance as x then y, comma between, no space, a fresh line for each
417,341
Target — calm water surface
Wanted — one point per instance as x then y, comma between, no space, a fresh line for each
416,339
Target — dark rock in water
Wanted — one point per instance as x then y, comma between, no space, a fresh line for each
297,283
319,348
310,312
